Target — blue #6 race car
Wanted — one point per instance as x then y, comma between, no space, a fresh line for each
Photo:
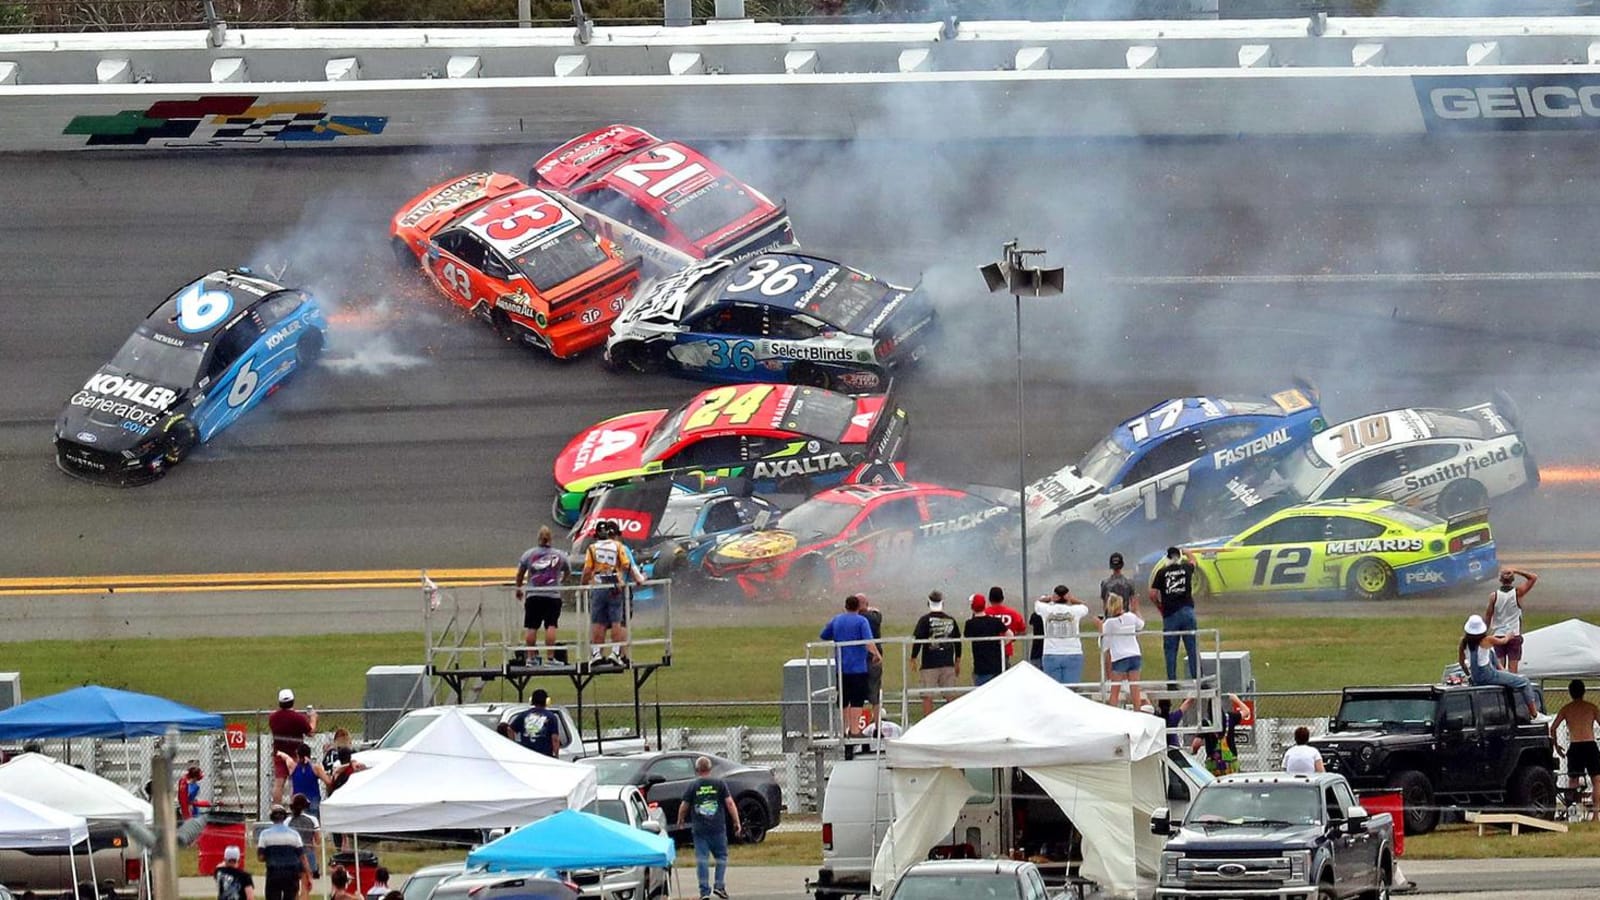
773,317
1145,481
203,358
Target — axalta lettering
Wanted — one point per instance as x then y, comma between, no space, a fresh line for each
812,353
961,523
1450,471
450,196
282,334
131,389
1374,545
809,465
1234,455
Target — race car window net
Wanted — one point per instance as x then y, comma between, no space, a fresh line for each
713,208
562,258
1103,461
818,518
150,360
1448,424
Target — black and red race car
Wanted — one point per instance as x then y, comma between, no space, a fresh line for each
516,258
661,200
861,533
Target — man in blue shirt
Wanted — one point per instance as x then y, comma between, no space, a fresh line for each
539,729
852,628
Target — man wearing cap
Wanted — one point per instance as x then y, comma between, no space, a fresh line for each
1172,589
984,630
936,651
233,882
281,849
1116,583
289,728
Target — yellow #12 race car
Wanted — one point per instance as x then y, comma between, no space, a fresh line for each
1364,548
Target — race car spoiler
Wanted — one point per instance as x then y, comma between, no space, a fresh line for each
1467,519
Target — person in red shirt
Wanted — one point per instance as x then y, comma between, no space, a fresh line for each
289,728
1015,623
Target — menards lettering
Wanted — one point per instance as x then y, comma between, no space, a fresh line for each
961,523
807,465
448,197
131,389
1373,545
1239,454
1450,471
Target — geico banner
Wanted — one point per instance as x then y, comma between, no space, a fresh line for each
1456,103
914,106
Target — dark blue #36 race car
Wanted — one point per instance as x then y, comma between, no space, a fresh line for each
202,359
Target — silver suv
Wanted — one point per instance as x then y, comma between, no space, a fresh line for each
540,885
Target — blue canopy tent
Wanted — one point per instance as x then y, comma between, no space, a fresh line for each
574,840
101,712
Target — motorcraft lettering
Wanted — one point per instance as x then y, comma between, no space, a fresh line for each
458,192
1265,443
283,334
1462,468
806,465
960,523
132,389
1509,102
1374,545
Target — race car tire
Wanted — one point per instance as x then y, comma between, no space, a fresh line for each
1416,791
178,440
1371,579
403,255
309,349
635,356
810,376
1076,543
1462,496
810,578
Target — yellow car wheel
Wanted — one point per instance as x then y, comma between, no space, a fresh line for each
1371,579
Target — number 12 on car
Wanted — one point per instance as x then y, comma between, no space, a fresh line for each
1285,565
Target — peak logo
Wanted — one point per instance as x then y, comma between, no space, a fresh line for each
1508,102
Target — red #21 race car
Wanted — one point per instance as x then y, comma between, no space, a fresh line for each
516,258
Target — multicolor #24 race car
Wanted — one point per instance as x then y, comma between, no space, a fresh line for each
781,437
1365,548
517,259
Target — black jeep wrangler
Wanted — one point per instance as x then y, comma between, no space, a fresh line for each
1442,745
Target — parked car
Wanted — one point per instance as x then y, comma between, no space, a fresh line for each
970,879
1276,835
540,885
48,871
1441,744
490,715
626,804
663,777
424,881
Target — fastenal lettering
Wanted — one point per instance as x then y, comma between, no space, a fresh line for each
1373,545
1239,454
807,465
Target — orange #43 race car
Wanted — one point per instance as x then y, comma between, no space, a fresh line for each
516,258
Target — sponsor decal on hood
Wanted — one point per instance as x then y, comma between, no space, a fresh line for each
760,545
1060,489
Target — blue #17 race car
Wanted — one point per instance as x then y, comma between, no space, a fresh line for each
773,317
1143,482
203,358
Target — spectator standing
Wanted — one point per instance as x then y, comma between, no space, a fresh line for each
1120,645
854,660
542,569
1580,717
1172,589
289,728
1116,583
608,564
1058,617
988,660
1504,615
339,762
1015,623
539,729
309,829
189,802
233,882
1476,655
712,807
283,852
936,651
1302,758
307,779
380,886
874,618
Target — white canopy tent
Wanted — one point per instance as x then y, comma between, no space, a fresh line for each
26,825
1102,766
457,773
69,789
1569,649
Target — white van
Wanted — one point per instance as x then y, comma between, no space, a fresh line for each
853,825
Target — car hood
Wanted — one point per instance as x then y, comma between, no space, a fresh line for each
1340,740
1053,493
116,411
1265,838
754,547
611,447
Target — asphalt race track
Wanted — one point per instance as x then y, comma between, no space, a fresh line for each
1421,272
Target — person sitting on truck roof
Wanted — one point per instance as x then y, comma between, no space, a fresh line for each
1476,655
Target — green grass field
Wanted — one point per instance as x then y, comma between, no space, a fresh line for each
730,662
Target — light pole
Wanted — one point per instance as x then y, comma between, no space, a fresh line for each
1011,275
